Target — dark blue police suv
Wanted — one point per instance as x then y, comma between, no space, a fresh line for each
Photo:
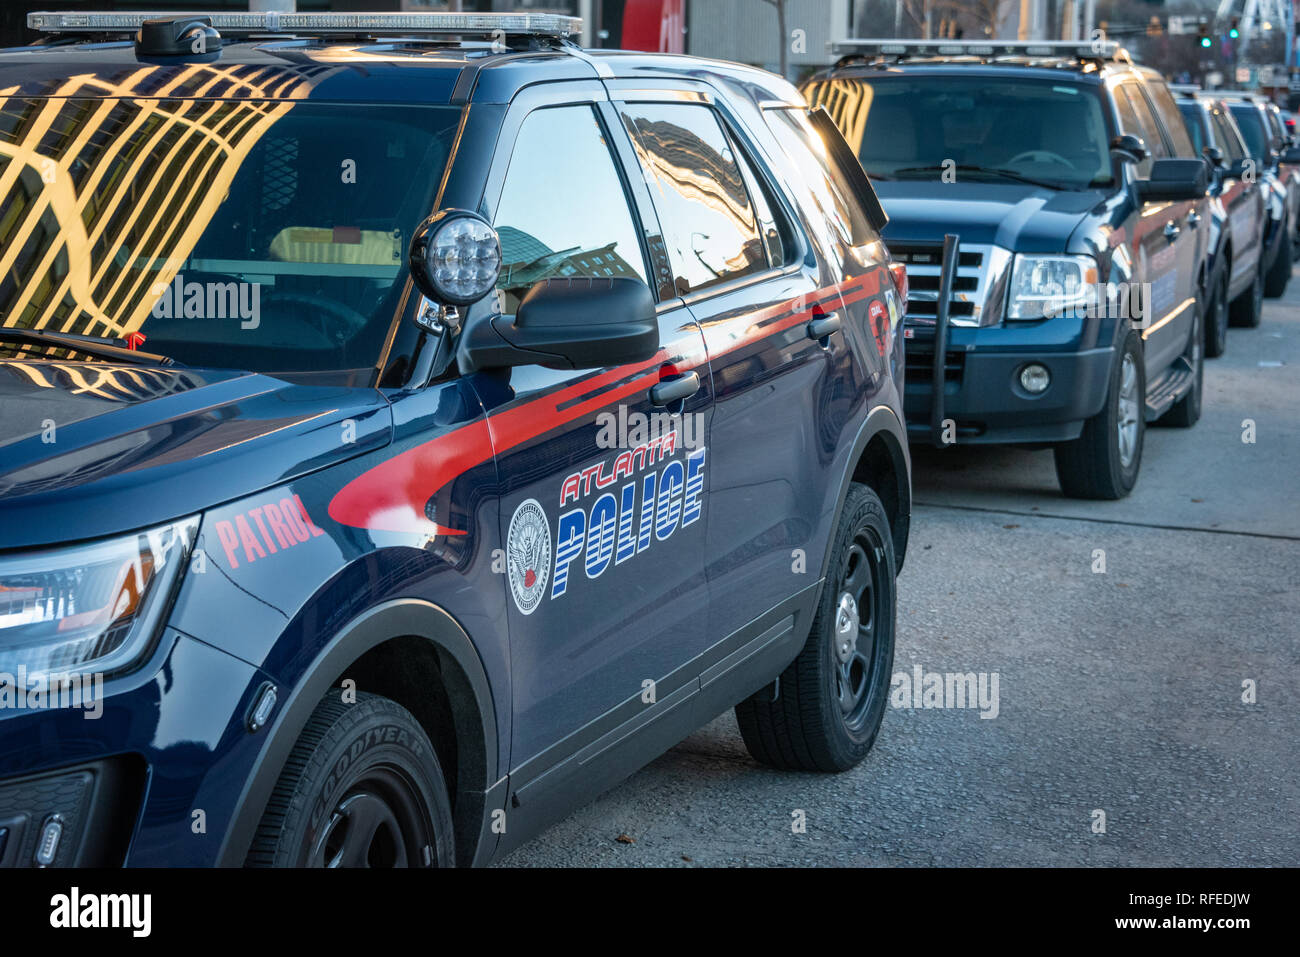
1068,312
413,424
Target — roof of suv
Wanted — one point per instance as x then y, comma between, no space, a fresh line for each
398,70
983,59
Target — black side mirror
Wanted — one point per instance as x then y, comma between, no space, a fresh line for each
1292,156
1214,155
577,323
1174,179
1129,148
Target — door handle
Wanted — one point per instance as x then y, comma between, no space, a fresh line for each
823,327
1193,219
1171,231
675,389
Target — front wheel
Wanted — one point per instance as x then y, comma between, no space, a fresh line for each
1103,462
362,788
831,699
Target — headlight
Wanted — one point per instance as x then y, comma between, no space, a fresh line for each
89,608
1044,286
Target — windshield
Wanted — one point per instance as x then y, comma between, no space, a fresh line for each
913,127
1252,129
268,236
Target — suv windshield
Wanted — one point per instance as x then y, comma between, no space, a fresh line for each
259,235
1002,129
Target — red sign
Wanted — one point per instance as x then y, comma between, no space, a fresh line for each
655,26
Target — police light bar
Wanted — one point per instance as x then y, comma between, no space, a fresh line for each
452,24
1082,49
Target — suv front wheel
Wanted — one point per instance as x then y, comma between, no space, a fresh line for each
1103,462
830,701
362,788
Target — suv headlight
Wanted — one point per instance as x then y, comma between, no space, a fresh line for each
89,608
1045,286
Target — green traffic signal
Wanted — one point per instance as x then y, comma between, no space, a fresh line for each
1234,33
1205,41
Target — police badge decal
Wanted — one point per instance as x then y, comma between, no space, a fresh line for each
528,555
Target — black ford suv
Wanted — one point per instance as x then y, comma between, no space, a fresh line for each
412,424
1068,309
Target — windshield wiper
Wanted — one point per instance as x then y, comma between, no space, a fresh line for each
994,170
101,347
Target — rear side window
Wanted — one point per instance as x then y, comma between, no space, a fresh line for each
711,223
1168,111
1251,125
563,209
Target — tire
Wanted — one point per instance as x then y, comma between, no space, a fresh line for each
1216,318
1279,274
819,721
1186,412
1247,309
362,788
1094,465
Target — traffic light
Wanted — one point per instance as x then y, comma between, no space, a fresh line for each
1233,30
1203,31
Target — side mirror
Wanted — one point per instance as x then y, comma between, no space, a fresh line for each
1172,180
1214,155
1292,156
576,323
1129,148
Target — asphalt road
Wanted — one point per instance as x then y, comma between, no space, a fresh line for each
1119,692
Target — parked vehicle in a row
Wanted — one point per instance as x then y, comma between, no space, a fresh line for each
1254,116
550,405
1239,218
1062,167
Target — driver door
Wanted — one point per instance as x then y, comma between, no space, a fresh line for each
603,543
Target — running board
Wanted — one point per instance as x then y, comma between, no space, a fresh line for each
1169,388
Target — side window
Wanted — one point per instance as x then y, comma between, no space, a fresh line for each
1194,121
1135,117
1233,149
712,227
828,183
1172,119
563,209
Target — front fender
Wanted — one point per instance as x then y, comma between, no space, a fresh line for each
393,619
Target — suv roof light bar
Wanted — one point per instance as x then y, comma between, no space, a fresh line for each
404,24
886,48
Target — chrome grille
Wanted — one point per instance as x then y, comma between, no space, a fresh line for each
978,269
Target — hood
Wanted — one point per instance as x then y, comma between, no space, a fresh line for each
1017,217
94,449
